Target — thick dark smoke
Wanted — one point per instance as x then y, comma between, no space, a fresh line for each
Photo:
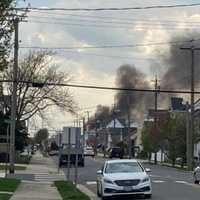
129,77
178,64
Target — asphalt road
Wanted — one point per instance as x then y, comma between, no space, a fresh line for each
167,183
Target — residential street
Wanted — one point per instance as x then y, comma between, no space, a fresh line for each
168,183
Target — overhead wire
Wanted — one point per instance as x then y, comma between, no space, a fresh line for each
39,84
112,46
104,55
111,8
134,28
122,19
133,22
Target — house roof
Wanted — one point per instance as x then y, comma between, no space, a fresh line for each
115,124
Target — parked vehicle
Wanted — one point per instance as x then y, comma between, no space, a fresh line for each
116,152
71,154
197,175
123,177
89,151
71,147
53,152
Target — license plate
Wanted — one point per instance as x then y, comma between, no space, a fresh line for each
128,188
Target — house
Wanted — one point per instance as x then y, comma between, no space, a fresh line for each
117,131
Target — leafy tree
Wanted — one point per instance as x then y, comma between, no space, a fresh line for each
147,143
6,29
174,133
41,136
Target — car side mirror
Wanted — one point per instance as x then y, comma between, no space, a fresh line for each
147,170
99,172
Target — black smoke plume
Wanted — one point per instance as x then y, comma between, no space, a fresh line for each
129,77
178,64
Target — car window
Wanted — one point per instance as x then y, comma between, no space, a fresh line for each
123,167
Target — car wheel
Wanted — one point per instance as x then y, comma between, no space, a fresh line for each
147,196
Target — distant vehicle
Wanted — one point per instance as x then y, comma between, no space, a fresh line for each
88,151
123,177
53,153
71,147
115,152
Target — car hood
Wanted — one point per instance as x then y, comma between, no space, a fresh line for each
126,176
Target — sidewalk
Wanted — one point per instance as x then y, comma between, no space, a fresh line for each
37,180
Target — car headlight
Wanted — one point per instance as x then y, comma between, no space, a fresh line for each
145,180
108,181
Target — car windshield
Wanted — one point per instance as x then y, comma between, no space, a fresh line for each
123,167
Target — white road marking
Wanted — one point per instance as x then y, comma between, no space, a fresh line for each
156,176
189,184
158,181
91,182
182,182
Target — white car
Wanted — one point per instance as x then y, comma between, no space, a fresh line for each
88,151
123,177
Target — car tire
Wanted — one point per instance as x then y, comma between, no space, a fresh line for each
147,196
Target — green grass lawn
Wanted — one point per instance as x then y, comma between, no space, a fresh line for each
5,196
68,191
8,185
2,167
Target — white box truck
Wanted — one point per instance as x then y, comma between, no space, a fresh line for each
71,147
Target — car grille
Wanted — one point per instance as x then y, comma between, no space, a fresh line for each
127,182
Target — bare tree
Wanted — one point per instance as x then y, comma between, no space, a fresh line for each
38,67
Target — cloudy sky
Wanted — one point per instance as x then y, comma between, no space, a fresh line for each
87,29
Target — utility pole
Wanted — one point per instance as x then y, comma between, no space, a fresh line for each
14,98
88,115
129,131
155,116
190,137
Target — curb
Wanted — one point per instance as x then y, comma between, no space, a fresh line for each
85,190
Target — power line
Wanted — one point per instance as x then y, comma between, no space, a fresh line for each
40,85
94,22
111,46
110,9
132,19
103,55
136,28
119,21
